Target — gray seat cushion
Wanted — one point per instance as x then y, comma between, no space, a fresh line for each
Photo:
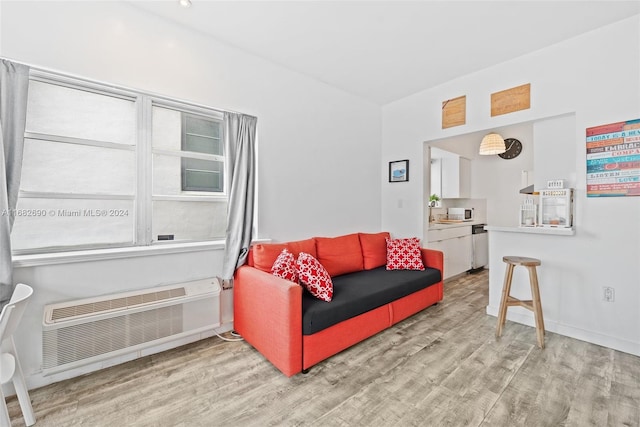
359,292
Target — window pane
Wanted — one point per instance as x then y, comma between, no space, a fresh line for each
71,168
167,175
166,130
178,131
42,223
201,126
201,175
201,144
58,110
190,220
201,135
172,175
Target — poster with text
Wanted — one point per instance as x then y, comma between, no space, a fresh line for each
613,159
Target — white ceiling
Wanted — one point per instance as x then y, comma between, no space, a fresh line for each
386,50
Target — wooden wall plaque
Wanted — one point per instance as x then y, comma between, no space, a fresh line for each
454,112
510,100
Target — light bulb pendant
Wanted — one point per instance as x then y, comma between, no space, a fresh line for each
492,144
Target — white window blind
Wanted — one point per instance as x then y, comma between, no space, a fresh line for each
107,167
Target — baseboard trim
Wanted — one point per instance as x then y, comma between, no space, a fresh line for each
526,318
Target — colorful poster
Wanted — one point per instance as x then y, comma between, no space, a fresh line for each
613,159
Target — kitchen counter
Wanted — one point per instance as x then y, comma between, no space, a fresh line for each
557,231
438,226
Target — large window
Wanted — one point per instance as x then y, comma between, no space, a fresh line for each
105,167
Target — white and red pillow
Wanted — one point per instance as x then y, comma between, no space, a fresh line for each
404,254
314,277
285,266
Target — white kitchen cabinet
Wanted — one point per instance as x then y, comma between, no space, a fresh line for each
461,254
456,177
456,244
450,175
465,178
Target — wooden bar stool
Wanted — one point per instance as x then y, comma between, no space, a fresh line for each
533,304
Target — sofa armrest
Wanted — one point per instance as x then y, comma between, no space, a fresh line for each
268,314
434,259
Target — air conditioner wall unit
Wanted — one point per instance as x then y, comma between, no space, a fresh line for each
80,332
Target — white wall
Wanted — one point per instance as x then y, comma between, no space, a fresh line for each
576,81
319,148
552,154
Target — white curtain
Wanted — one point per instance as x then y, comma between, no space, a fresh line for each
14,85
240,138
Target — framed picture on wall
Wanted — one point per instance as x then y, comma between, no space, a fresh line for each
399,171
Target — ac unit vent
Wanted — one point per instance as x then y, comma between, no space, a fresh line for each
75,311
75,333
107,335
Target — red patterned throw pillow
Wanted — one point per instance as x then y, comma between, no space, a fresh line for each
314,277
285,266
404,254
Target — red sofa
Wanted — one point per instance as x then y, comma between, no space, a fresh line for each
268,310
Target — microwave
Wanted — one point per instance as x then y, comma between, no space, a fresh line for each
460,214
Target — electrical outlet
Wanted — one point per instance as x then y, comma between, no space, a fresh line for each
609,294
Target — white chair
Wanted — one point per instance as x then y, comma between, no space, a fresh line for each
10,369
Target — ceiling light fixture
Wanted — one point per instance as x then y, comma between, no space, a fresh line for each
492,144
185,3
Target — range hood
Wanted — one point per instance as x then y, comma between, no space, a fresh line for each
528,190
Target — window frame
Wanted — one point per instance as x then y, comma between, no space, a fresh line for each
143,196
218,157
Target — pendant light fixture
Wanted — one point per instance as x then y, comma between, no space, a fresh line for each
492,144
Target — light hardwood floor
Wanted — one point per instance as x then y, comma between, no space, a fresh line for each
440,367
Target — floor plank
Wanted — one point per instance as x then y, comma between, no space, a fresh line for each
442,366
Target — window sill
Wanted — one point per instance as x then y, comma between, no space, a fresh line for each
35,260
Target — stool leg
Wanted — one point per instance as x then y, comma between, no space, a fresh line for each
506,290
537,305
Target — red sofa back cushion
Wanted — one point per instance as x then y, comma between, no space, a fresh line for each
374,249
265,254
340,255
